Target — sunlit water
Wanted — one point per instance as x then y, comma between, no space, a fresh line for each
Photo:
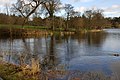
83,52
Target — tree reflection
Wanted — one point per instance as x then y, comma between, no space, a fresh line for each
91,38
8,54
50,60
95,38
45,53
69,51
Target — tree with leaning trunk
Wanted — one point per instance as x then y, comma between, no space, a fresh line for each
26,8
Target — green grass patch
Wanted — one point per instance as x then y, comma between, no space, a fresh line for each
25,27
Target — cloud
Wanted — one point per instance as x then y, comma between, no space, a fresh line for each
3,2
81,9
82,0
113,10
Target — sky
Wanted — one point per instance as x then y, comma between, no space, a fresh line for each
111,7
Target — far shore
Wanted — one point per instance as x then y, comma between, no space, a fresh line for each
35,31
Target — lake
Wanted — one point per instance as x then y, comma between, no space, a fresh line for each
85,52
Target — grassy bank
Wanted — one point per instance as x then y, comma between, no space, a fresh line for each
13,72
30,31
25,27
48,29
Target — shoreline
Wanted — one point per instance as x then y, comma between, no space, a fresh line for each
13,72
32,33
95,30
15,32
91,31
10,71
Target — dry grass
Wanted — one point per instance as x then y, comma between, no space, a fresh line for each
13,72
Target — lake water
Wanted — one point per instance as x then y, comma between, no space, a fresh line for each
84,52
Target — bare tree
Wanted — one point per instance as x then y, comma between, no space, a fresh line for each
50,7
98,20
89,15
26,8
95,19
69,11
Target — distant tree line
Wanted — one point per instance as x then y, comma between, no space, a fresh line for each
72,20
10,19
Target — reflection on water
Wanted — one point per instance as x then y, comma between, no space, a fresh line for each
85,52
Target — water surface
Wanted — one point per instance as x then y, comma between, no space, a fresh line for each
84,52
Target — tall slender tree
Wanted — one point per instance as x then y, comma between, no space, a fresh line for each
50,7
69,9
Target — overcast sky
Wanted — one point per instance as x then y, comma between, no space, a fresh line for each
111,7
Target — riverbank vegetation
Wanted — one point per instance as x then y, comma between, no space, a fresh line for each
75,23
15,72
39,17
30,15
